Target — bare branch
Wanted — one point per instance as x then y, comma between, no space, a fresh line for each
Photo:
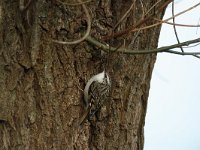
163,21
183,53
74,4
22,6
134,28
108,48
153,7
175,31
178,24
125,15
139,23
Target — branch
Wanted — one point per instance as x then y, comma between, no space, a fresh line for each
164,21
178,24
74,4
125,15
138,24
108,48
174,27
135,27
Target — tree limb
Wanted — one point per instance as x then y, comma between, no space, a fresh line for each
108,48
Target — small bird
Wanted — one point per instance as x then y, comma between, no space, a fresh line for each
96,92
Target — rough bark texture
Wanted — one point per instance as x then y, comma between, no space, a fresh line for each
41,98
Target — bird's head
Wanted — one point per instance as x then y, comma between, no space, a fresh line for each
103,77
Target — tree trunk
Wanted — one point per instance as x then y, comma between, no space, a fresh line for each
41,97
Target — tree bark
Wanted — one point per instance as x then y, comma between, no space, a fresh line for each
41,97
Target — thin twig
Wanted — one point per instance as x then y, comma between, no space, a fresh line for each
88,19
175,31
107,48
124,16
174,27
22,6
195,45
178,24
197,56
153,7
163,21
183,53
139,23
143,9
74,4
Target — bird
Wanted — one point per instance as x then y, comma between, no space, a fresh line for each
96,92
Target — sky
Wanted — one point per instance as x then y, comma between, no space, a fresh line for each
173,113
